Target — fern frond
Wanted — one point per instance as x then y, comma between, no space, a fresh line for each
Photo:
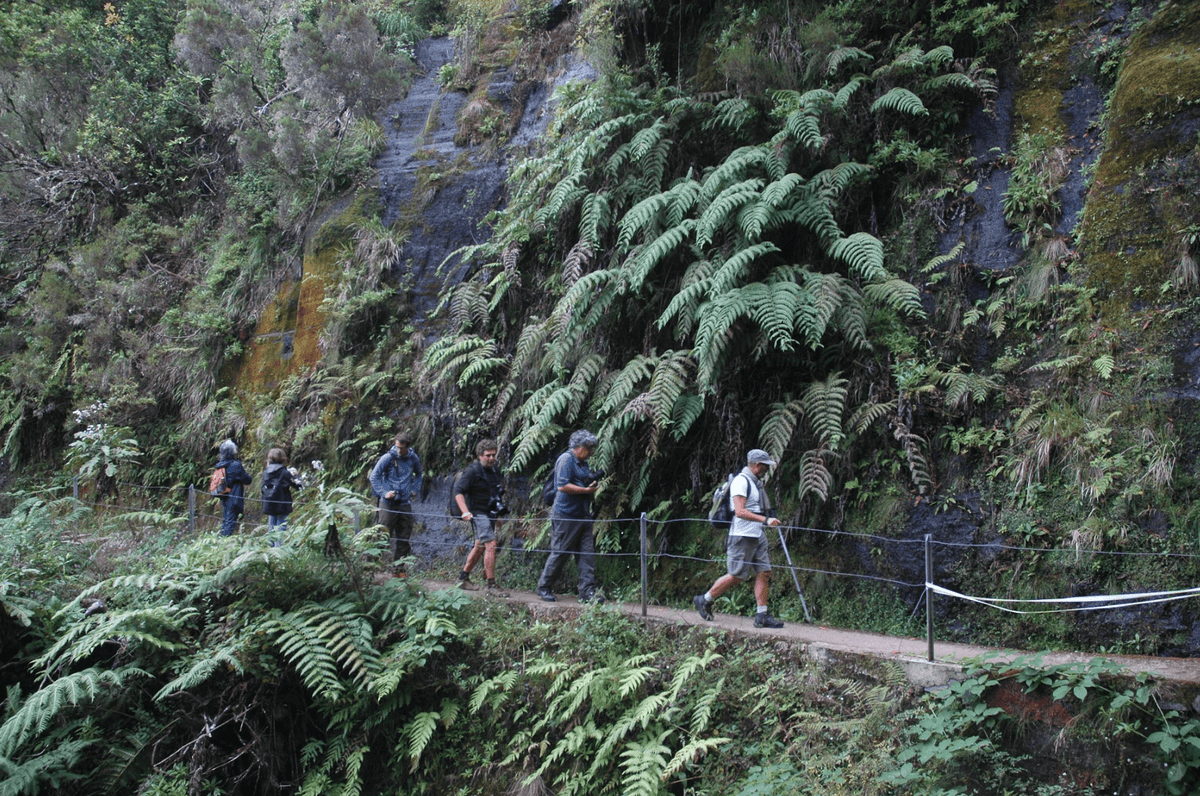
804,127
869,414
777,428
863,253
844,55
824,403
721,210
641,218
649,256
902,100
667,384
643,765
902,296
637,370
734,169
815,478
42,707
732,114
203,667
577,261
687,410
691,753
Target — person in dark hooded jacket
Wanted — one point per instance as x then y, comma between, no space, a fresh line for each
278,480
237,479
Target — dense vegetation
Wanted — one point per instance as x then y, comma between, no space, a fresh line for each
732,238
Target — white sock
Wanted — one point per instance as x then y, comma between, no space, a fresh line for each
762,609
708,598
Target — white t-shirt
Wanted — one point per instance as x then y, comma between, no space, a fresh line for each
743,486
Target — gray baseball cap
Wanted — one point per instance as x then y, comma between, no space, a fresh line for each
759,456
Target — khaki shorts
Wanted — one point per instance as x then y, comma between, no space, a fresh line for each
484,527
746,556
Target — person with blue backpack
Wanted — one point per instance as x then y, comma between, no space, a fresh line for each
746,545
571,519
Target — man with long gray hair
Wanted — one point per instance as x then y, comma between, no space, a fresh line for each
571,519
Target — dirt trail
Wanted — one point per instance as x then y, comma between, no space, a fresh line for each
825,641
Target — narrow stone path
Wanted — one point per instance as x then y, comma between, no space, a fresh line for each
830,643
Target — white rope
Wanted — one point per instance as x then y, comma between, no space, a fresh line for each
1087,602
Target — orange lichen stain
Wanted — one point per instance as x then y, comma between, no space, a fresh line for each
286,340
1028,707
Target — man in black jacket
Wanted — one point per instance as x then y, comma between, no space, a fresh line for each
479,495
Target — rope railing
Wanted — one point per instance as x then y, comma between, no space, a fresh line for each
930,588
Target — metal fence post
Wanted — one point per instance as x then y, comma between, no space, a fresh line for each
644,545
929,592
192,509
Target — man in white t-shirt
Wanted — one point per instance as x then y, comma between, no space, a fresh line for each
746,546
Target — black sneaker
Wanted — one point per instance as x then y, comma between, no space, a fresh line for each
493,590
464,582
704,607
592,598
546,595
766,620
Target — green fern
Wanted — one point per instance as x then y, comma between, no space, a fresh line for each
777,428
824,403
902,100
41,708
863,253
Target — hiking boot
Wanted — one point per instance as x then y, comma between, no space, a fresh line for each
493,590
766,620
546,595
703,607
592,598
464,582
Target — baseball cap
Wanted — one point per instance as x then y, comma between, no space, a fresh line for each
759,456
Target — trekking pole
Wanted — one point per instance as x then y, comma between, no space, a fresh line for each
787,554
644,545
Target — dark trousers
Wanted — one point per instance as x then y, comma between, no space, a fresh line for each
569,537
398,519
231,512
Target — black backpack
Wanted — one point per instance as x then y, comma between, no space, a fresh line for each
274,494
549,490
452,510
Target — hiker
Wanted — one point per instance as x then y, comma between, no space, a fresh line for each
395,480
278,480
571,519
746,545
236,479
479,493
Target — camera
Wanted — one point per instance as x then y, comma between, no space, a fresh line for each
496,505
598,474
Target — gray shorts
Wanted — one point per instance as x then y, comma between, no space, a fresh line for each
484,527
746,556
